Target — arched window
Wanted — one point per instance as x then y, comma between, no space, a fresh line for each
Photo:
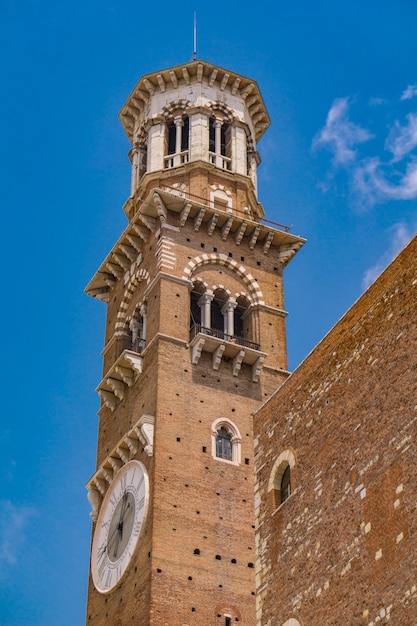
243,322
224,444
171,137
220,143
197,291
177,141
226,441
212,135
285,484
280,479
137,327
185,134
218,318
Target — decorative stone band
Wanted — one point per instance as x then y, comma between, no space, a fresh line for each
124,451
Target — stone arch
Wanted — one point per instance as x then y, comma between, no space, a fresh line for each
254,291
175,107
137,277
292,622
222,109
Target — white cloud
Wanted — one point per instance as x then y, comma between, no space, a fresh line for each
372,179
377,101
409,93
402,139
340,135
13,524
400,236
370,185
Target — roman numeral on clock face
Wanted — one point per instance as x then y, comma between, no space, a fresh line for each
102,569
108,579
123,483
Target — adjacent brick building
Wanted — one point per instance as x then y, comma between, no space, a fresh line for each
336,477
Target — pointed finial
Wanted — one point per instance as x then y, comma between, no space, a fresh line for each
195,37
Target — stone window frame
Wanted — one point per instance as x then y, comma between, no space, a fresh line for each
235,440
292,622
283,461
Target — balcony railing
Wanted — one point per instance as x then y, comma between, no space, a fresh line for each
220,160
220,334
173,160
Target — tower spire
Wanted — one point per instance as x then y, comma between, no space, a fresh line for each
195,38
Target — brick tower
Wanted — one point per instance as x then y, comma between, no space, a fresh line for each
194,343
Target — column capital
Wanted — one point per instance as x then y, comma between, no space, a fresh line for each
206,298
229,306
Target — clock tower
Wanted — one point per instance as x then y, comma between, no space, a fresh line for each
194,343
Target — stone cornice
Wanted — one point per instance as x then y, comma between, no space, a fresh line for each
126,257
189,74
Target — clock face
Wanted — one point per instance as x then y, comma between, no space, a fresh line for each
119,525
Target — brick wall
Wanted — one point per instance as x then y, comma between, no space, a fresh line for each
341,549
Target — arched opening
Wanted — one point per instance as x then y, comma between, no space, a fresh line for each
196,317
212,136
185,134
242,325
177,140
217,313
225,135
137,327
220,143
171,137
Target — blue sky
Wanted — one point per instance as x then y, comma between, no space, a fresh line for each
339,163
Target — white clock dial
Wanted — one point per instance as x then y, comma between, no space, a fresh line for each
119,525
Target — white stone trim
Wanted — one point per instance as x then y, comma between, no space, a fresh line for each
254,291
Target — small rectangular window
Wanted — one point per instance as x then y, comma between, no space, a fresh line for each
228,621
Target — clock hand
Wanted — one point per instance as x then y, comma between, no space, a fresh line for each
119,527
124,513
119,536
103,549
